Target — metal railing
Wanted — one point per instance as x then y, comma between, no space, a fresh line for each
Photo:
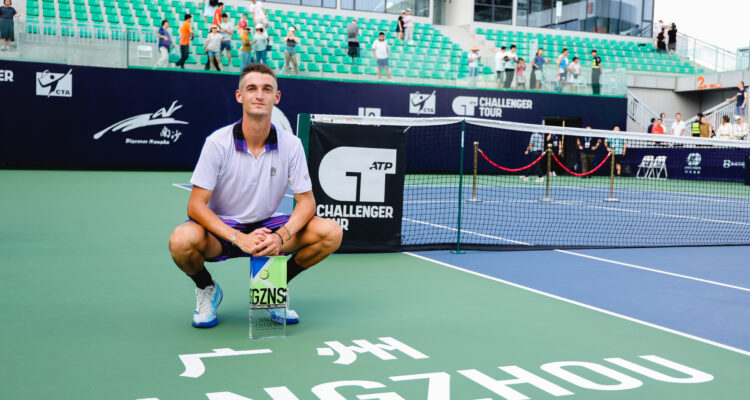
715,114
710,56
639,112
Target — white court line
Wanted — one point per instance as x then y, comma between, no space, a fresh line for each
183,186
702,219
658,271
590,307
465,231
615,209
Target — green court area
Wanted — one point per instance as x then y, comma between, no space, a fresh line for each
95,309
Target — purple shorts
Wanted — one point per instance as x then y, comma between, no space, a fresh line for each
228,251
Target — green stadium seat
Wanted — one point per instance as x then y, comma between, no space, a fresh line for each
342,69
313,67
356,69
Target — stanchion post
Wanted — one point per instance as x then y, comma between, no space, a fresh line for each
474,183
611,197
549,167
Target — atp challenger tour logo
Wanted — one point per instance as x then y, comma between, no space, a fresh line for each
356,174
488,106
162,116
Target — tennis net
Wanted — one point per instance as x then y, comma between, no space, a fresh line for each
485,184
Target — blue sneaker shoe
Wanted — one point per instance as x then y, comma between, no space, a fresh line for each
207,301
277,316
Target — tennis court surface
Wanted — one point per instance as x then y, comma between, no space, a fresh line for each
95,309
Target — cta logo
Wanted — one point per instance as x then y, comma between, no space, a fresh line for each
422,103
54,84
162,116
693,166
464,105
369,112
356,173
6,75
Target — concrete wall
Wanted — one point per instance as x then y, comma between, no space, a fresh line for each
669,102
459,12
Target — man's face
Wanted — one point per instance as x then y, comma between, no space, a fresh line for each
257,94
381,37
678,117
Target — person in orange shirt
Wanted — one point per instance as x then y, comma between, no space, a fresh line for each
186,35
217,14
658,128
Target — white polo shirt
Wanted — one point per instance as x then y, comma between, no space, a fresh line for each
247,189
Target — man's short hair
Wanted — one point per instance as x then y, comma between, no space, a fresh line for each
381,33
575,58
593,51
659,119
224,15
700,115
502,48
163,21
678,114
653,120
188,16
565,49
259,68
513,46
220,4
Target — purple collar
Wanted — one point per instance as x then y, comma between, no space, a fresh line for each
272,142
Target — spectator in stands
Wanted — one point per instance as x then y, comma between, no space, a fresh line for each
510,65
661,44
695,126
658,128
164,45
227,29
741,107
651,126
242,25
619,147
382,52
726,130
290,54
260,43
213,48
400,25
520,74
740,129
562,70
7,15
587,148
596,72
474,58
536,141
408,27
352,34
186,35
574,72
672,38
260,15
500,65
209,7
537,70
678,126
706,129
217,15
246,51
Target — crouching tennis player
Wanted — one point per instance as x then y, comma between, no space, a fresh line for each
238,183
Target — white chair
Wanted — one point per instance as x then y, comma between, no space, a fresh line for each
645,165
145,53
658,166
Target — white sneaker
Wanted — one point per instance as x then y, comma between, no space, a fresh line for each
207,301
524,178
540,179
277,315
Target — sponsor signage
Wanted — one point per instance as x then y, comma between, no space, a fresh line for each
422,103
358,180
6,75
715,164
487,107
54,84
162,116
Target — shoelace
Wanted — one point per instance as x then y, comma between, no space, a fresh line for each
203,299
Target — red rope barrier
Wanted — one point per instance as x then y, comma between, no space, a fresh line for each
510,169
585,173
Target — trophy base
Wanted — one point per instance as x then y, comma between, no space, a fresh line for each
263,327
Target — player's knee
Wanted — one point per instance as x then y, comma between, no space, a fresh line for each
333,235
185,238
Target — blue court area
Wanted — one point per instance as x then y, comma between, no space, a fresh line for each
579,214
698,291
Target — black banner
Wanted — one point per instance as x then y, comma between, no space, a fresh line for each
358,179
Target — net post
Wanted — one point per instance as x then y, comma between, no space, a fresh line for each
474,182
460,191
611,197
549,167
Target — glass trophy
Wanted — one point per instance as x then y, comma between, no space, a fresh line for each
268,295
